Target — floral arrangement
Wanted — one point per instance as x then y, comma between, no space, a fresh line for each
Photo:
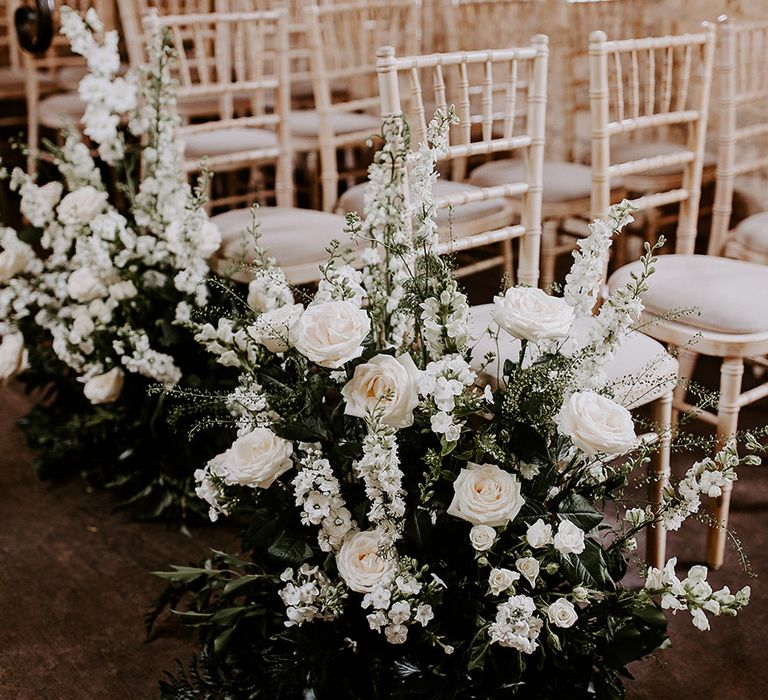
96,291
417,527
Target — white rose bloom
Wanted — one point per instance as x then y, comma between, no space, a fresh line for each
331,333
531,314
569,538
82,325
486,495
13,355
14,259
529,568
482,537
596,424
386,385
123,290
539,534
104,388
562,613
360,564
80,206
272,329
83,285
501,580
257,459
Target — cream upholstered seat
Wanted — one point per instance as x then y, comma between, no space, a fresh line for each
462,219
221,142
296,238
749,240
61,109
731,296
562,181
305,124
622,153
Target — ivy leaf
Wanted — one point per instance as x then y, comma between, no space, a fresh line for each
589,568
290,547
579,511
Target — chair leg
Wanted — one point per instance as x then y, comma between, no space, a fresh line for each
548,252
329,177
731,372
686,360
659,471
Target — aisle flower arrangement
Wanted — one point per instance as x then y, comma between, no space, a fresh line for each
95,292
417,527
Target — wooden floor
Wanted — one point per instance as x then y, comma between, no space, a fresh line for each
74,584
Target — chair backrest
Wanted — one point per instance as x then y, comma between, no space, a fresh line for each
343,38
9,49
474,25
236,59
638,85
449,77
742,68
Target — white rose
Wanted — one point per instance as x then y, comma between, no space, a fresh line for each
37,203
562,613
529,568
123,290
257,459
80,206
569,538
385,385
596,424
14,259
104,388
360,564
482,537
83,285
13,355
331,333
531,314
82,325
208,239
501,580
272,329
539,534
486,495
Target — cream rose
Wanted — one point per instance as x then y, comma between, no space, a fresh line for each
360,564
13,355
104,388
531,314
562,613
385,385
596,424
331,333
529,568
482,537
257,459
272,329
501,580
486,495
569,538
84,286
14,259
80,206
539,534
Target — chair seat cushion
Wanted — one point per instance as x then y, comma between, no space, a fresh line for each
306,123
623,153
222,142
752,233
353,198
563,182
292,236
69,77
640,371
61,109
731,296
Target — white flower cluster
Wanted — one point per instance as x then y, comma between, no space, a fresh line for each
341,284
269,290
230,344
444,381
248,404
137,356
310,595
445,320
516,625
693,593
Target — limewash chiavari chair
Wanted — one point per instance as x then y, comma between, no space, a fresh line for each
725,326
343,38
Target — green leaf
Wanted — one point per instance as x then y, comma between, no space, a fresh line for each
182,573
579,511
290,547
589,568
221,641
237,583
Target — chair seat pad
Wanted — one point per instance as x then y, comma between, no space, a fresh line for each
623,153
563,181
730,295
292,236
306,123
640,371
352,200
69,77
222,142
752,233
61,109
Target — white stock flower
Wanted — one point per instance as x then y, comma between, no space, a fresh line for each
13,355
569,538
562,613
331,333
385,386
482,537
84,286
360,564
208,239
104,388
257,459
486,495
79,207
14,259
529,568
37,203
539,534
531,314
273,328
500,580
596,424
